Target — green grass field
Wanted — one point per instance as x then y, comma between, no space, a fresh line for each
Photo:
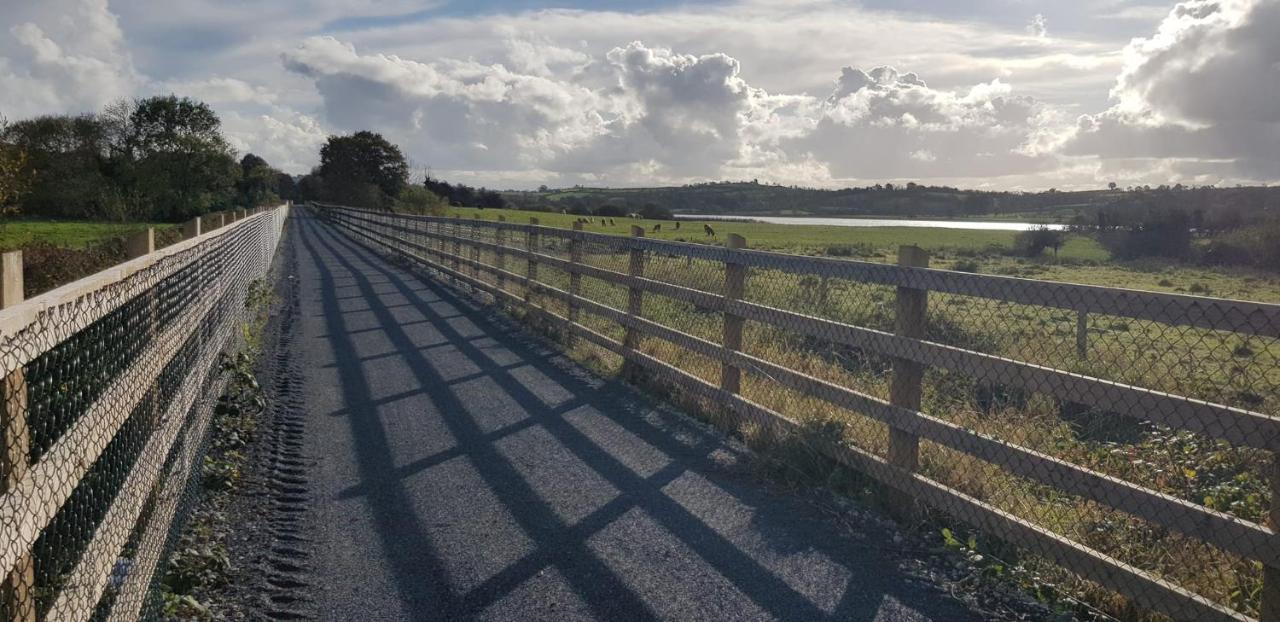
1081,260
65,234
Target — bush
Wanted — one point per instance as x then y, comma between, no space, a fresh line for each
1160,234
419,200
965,265
1034,241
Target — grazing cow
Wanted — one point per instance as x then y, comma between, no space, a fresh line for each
677,225
657,228
708,230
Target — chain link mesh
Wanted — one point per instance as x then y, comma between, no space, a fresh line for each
108,389
1116,445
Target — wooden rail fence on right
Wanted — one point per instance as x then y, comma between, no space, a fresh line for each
723,309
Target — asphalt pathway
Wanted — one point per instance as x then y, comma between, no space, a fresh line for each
461,469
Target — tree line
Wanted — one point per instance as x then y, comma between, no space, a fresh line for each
161,158
364,169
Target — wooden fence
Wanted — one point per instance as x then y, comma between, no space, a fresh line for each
109,385
454,247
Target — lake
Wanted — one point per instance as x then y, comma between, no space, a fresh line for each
991,225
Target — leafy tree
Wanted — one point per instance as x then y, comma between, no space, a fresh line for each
363,169
64,163
287,186
259,183
14,177
184,166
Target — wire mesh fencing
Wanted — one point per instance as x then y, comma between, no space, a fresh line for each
1118,444
109,384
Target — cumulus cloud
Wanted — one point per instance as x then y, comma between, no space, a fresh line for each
1204,88
645,114
706,91
62,55
886,124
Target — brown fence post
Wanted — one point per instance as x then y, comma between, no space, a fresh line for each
500,257
1269,610
456,227
735,278
475,248
635,303
1082,335
20,581
575,279
532,274
191,228
909,321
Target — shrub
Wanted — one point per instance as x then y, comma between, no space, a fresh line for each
965,265
1034,241
419,200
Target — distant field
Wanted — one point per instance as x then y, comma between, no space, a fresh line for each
807,239
66,234
1081,260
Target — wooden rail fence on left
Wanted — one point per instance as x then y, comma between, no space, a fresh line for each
107,392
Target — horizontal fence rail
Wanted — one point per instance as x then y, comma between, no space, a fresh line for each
1125,436
109,386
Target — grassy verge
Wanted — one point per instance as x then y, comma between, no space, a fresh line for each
199,565
67,234
55,253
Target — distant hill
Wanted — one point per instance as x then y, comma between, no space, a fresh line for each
753,199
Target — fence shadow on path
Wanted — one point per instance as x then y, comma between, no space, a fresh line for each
618,510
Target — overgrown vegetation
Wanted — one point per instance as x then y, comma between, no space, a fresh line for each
199,565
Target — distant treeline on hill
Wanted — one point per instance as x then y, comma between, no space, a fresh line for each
1216,206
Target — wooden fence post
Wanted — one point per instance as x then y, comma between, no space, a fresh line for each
635,304
575,279
191,228
909,321
1082,335
457,243
475,249
532,274
500,257
1269,610
735,278
140,243
20,581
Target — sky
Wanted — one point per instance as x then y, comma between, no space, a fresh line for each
995,94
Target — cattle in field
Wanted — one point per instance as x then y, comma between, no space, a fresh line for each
708,230
657,228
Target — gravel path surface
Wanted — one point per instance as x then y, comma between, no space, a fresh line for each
461,469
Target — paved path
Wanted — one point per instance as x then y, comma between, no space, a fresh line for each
462,470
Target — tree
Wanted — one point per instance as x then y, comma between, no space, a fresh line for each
363,168
259,184
63,163
184,165
14,177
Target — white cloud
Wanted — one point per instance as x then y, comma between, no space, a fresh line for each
219,90
715,90
1038,26
1203,88
62,55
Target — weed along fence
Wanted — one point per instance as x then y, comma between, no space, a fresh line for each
108,387
1113,445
